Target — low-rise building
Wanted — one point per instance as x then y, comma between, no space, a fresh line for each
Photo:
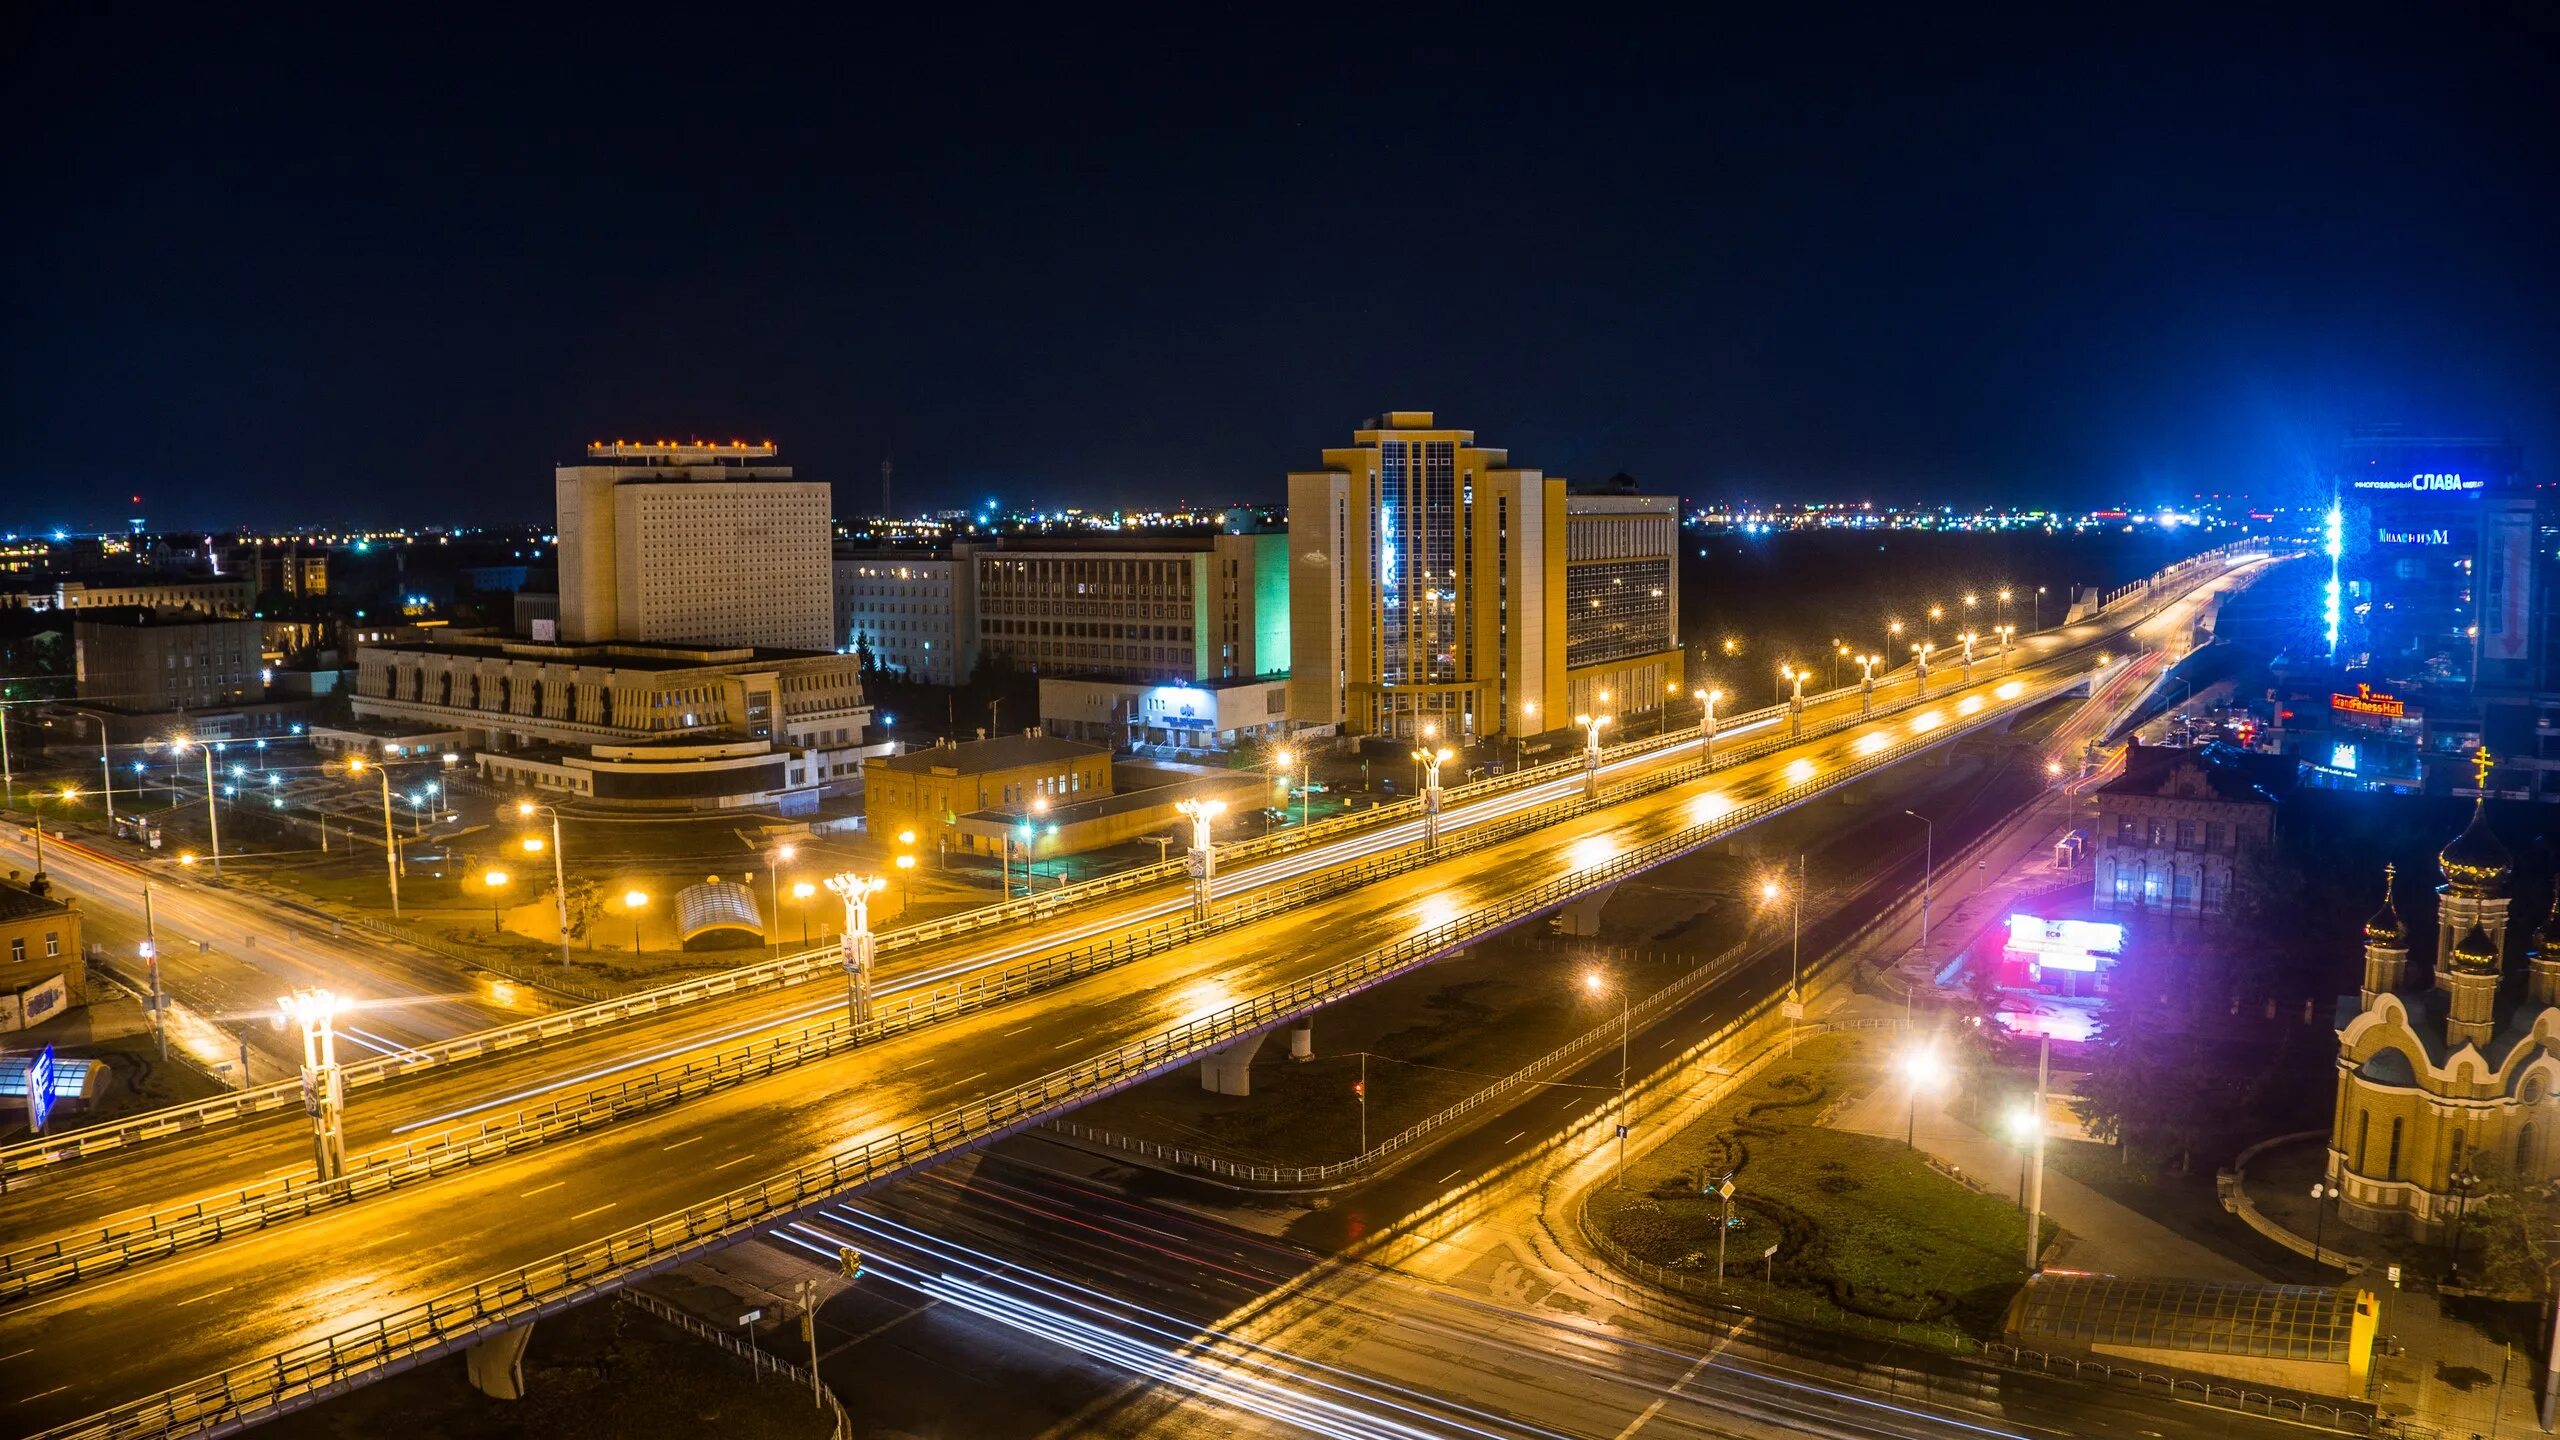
145,660
929,790
231,595
649,725
1174,716
2181,831
43,969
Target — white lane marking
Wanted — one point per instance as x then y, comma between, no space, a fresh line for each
56,1390
538,1189
1655,1408
1514,1140
1452,1175
583,1214
741,1160
209,1294
14,1354
679,1144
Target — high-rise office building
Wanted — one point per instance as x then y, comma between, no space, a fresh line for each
694,543
1437,588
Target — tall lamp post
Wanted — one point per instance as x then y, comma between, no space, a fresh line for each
801,890
212,819
1590,753
1771,890
1431,760
1795,702
2006,633
1201,860
1597,985
633,902
2321,1195
1920,659
496,882
390,838
1968,638
525,809
858,947
324,1094
1892,636
773,859
1867,683
1928,868
1922,1069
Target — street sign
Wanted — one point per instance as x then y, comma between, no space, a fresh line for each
1793,1009
1769,1253
1622,1132
751,1317
40,1081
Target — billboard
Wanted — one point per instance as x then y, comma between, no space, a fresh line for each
2066,944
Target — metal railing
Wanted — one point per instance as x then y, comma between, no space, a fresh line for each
759,1360
445,1322
808,964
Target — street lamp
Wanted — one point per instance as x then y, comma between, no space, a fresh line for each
2321,1194
1431,761
390,838
2006,633
1772,889
1892,634
773,883
559,867
2463,1180
323,1089
495,880
1928,868
801,890
1591,752
1867,682
1795,702
1922,1069
858,946
1287,759
1597,984
1707,721
1201,860
1920,653
635,901
1968,638
2022,1133
212,820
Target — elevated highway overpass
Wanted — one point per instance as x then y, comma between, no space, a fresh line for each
216,1337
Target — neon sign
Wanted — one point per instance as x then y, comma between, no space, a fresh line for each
2437,481
2437,536
2365,702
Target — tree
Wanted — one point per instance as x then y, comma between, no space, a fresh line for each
2151,1086
2510,1228
585,901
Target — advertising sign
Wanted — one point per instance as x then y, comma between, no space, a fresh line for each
2065,944
2506,623
40,1079
42,1002
2427,482
2365,702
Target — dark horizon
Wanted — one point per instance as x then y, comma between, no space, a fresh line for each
344,272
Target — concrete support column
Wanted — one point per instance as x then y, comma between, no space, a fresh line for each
1302,1040
1229,1069
495,1363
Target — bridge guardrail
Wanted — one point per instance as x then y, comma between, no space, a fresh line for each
304,1371
791,969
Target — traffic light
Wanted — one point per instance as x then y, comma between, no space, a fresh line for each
849,1261
1359,1089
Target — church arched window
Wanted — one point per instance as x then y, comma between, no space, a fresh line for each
2364,1125
2524,1149
2391,1170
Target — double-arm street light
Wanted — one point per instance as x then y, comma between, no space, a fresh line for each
1287,759
1590,753
1201,860
1795,702
1431,761
526,809
856,892
324,1092
1920,653
1707,699
1968,638
1867,682
2006,633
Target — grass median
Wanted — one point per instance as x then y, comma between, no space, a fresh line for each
1862,1225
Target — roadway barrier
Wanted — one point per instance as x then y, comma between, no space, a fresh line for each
813,963
306,1371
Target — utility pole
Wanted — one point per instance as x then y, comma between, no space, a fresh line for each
151,965
2035,1187
807,1288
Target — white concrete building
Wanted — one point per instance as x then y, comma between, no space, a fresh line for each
697,544
912,611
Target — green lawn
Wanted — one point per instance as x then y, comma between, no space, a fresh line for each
1861,1223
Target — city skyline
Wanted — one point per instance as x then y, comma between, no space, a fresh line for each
2036,263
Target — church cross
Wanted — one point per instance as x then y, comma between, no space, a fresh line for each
2480,767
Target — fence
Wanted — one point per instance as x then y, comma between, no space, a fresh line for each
299,1372
759,1360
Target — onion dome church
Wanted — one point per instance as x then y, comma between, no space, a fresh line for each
2437,1082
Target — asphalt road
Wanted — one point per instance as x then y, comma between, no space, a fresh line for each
78,1351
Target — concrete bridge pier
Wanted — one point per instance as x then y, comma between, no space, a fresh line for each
1582,917
495,1363
1228,1070
1302,1040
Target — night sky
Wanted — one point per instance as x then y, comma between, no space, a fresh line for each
389,264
